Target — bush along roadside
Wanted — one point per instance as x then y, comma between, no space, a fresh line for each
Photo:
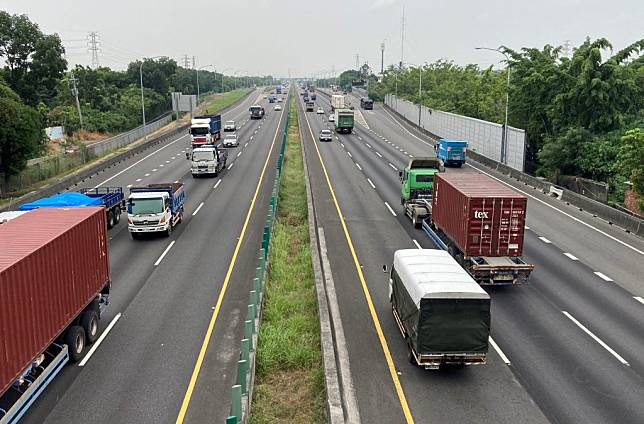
288,382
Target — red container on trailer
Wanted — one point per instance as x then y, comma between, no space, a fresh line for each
480,215
53,263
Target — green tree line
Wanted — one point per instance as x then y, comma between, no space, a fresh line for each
36,91
583,114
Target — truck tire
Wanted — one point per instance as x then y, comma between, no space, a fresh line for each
75,341
89,322
117,215
410,354
168,232
135,236
110,219
415,221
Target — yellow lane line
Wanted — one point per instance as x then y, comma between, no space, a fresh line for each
365,289
215,313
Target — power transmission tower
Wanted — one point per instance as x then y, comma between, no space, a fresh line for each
402,38
357,61
567,51
93,43
72,83
382,57
194,66
186,61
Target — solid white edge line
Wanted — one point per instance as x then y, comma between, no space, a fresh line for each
527,194
545,240
603,276
571,256
639,299
597,339
390,210
198,208
98,342
216,185
417,244
499,351
165,252
370,182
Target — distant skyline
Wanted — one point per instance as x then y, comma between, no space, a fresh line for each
251,37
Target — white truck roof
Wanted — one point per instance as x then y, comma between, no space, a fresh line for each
200,121
432,273
148,195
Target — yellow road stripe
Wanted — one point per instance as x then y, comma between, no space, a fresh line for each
215,313
365,289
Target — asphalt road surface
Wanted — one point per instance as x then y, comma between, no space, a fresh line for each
569,344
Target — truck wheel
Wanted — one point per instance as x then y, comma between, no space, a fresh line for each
89,322
135,236
459,258
415,221
410,354
452,251
168,232
110,219
117,215
75,341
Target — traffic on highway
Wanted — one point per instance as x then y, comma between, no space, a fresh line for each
459,240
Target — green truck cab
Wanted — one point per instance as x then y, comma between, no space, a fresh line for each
417,187
343,120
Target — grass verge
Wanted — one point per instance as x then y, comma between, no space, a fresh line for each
220,101
289,379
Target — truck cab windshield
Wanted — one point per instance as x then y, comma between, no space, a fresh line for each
420,178
199,131
145,206
200,156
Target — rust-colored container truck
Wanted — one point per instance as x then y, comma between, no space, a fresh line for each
481,223
54,284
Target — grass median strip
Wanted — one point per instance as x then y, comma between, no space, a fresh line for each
222,100
289,380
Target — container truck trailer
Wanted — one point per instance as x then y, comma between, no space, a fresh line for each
481,223
54,287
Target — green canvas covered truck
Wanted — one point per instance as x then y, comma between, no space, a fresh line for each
442,313
417,187
343,120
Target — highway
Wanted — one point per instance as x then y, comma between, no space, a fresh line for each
165,290
569,344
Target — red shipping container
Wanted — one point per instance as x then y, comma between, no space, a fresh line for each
480,215
53,263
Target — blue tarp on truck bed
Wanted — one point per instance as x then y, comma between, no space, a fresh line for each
62,200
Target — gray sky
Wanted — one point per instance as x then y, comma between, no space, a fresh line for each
306,37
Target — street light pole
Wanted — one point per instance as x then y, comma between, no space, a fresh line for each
420,93
504,139
198,69
145,135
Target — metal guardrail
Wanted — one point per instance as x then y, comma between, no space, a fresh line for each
242,390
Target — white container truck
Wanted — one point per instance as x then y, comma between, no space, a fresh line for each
337,102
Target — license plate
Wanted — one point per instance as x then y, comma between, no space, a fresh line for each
503,277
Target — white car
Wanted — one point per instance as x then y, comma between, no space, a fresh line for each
331,118
320,111
326,135
279,99
230,126
230,140
277,107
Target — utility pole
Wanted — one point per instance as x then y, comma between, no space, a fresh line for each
72,82
92,44
402,38
382,57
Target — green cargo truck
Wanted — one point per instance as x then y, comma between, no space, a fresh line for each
343,120
418,186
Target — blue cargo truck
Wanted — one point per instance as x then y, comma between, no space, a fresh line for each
205,129
451,152
111,198
155,208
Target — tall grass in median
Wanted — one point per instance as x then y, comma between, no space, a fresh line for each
289,380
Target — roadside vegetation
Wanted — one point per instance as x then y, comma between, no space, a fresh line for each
36,84
289,380
583,110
